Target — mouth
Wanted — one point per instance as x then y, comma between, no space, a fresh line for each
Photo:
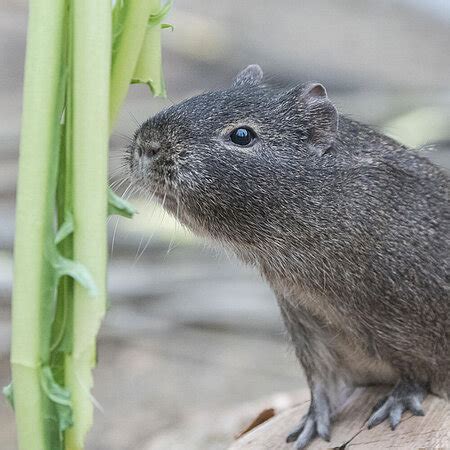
154,181
167,193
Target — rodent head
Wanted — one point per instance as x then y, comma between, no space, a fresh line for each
233,164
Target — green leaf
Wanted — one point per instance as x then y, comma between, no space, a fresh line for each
156,18
167,25
65,229
65,266
119,206
60,397
8,393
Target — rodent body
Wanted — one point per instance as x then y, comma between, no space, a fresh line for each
350,229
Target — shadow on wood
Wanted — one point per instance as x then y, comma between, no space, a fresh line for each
350,431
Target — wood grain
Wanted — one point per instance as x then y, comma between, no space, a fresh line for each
350,431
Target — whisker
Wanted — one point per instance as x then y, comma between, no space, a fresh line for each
117,155
124,137
128,187
113,239
172,239
153,233
147,203
149,238
139,124
115,185
114,235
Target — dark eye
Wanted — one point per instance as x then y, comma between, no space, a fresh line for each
242,136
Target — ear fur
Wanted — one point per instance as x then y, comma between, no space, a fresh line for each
250,76
318,116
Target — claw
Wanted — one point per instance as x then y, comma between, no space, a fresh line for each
296,433
292,437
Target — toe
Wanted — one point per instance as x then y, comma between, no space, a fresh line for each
315,423
380,414
395,415
308,433
323,426
322,417
379,404
403,397
414,404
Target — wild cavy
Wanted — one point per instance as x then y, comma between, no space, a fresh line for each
349,228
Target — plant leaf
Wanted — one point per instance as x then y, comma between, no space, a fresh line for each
65,229
65,266
119,206
156,18
60,398
167,25
8,393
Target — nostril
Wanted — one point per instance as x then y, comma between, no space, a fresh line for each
147,149
152,148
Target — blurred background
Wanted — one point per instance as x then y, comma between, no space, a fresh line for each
193,345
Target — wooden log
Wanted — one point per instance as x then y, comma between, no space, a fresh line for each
349,430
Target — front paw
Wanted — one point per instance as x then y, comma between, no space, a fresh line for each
405,396
315,423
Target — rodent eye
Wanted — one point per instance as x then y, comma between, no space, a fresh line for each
242,136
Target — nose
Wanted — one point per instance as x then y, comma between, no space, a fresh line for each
148,149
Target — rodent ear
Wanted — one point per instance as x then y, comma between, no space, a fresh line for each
318,115
250,76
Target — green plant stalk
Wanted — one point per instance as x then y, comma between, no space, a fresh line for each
148,69
129,30
63,320
133,17
34,275
90,134
56,320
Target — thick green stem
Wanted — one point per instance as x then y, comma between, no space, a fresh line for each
69,59
90,131
133,18
149,65
33,274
